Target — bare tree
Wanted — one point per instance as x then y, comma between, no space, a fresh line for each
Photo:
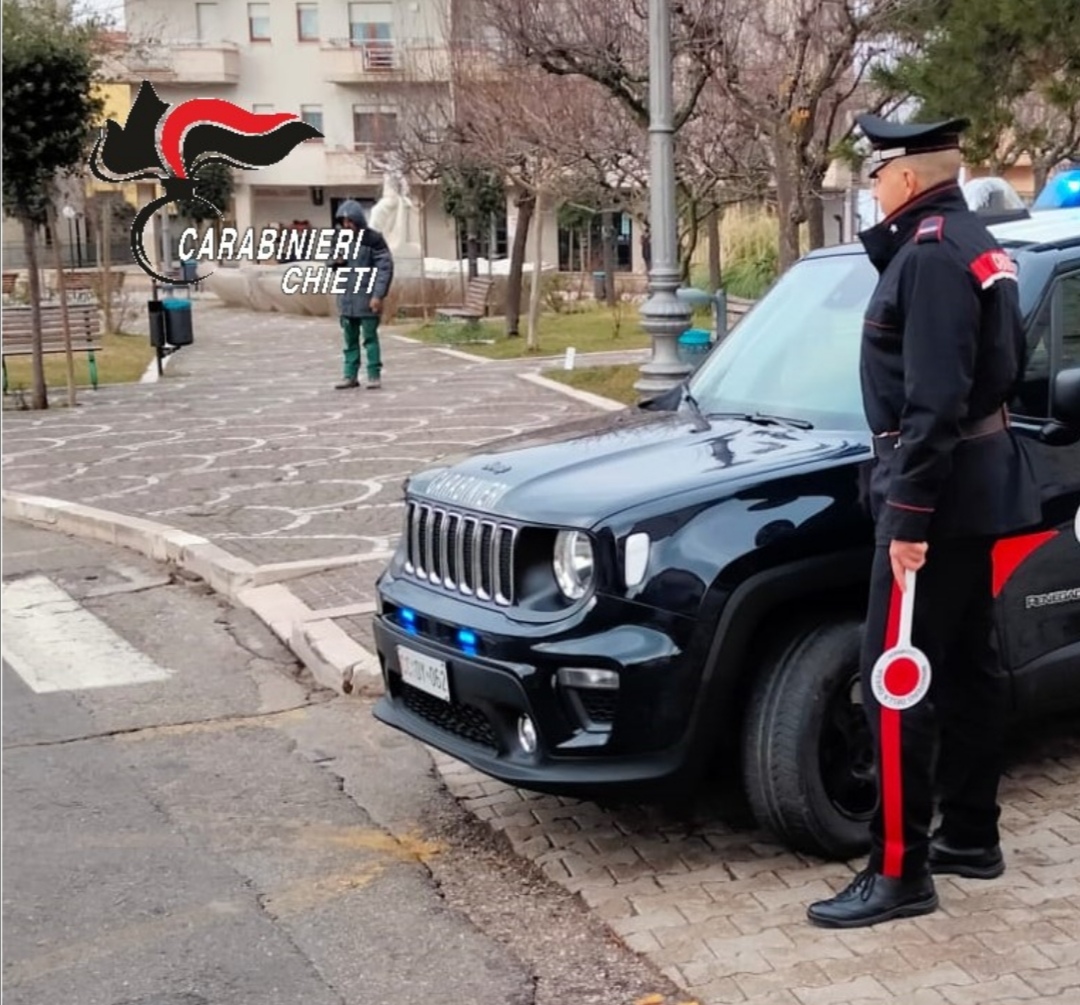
719,152
539,147
1047,131
794,66
544,136
781,75
721,160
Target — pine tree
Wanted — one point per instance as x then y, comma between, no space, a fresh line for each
1011,66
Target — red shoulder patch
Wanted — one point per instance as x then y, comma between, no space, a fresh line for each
930,229
991,266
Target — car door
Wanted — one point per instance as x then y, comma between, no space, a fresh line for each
1037,574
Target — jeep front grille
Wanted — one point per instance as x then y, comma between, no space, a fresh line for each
459,552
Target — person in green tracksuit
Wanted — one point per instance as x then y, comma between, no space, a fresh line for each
360,306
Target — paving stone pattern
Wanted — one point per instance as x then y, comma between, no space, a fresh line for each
721,909
246,443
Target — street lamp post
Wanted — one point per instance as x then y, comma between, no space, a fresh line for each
664,316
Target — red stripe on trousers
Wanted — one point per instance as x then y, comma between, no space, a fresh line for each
892,786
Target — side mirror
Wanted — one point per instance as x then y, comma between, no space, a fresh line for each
1067,397
1064,426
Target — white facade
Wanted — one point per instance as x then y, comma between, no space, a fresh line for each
346,67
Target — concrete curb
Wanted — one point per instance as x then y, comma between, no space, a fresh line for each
467,356
335,660
596,400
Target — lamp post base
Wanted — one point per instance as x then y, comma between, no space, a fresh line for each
665,318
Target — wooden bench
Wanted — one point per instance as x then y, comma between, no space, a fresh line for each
476,302
83,287
84,322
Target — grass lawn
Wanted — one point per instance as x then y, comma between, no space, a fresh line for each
597,329
121,360
615,382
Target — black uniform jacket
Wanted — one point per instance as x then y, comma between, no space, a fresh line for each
943,347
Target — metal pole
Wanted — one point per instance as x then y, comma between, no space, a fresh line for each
664,316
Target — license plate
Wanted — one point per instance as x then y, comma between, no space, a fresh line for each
423,672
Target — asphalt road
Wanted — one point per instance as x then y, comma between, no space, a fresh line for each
189,820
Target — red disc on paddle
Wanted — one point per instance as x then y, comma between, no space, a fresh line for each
900,678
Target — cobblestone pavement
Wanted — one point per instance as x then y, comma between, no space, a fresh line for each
722,910
246,444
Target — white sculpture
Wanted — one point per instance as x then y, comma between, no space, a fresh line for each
394,213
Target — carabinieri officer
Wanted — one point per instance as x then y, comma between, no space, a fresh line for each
942,351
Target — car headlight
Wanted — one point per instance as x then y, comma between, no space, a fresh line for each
573,563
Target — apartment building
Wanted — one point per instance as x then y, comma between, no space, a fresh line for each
349,68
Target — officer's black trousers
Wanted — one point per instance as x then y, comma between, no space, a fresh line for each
961,719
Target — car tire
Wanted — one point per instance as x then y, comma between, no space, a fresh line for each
802,783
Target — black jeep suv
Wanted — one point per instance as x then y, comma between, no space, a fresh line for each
613,604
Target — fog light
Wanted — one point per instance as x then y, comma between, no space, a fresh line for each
527,735
606,680
467,641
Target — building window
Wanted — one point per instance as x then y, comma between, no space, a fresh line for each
259,22
312,115
307,22
493,237
207,25
371,29
374,129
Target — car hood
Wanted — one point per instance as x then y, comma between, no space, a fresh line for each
577,474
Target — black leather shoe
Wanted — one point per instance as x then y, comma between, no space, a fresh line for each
346,384
871,898
973,863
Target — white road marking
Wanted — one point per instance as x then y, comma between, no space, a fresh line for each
56,645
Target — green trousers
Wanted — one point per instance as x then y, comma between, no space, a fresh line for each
351,329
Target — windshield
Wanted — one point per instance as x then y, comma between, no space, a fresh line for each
796,354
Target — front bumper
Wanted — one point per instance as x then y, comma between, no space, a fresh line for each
633,739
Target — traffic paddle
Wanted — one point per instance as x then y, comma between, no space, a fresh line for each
899,680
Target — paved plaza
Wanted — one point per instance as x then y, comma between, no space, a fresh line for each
245,444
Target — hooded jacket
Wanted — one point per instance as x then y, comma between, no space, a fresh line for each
372,253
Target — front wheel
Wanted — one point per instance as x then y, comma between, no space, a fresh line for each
808,753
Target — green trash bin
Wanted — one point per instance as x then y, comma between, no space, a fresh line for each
178,328
694,346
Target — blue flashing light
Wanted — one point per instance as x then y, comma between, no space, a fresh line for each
467,640
1061,192
408,619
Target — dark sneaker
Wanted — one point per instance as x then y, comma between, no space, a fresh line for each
871,898
347,384
374,383
972,863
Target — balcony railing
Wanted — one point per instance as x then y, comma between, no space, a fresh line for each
184,61
370,61
355,164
